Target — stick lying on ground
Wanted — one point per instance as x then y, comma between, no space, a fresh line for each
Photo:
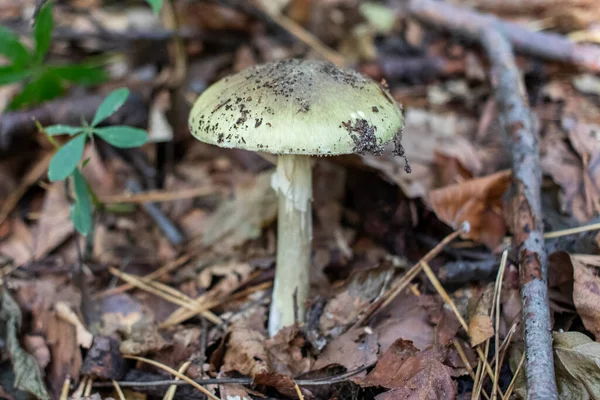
549,46
496,37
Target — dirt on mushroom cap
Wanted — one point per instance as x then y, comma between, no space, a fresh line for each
297,107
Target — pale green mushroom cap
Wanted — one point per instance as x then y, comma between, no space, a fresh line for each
297,107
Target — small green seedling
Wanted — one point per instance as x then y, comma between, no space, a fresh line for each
156,5
42,81
66,162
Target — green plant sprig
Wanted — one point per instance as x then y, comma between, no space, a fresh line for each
42,81
66,162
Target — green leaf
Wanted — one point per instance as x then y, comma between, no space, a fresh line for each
11,74
110,105
54,130
81,211
12,48
28,376
123,136
156,5
82,74
42,32
45,87
66,159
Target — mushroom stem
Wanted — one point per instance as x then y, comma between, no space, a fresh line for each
293,183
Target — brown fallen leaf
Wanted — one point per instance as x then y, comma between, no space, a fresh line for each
242,218
54,224
104,360
477,201
283,383
246,353
577,360
39,297
481,327
586,291
431,133
353,349
142,339
360,289
286,352
37,347
413,374
237,392
408,318
19,246
576,363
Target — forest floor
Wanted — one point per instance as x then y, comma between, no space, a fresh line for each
433,284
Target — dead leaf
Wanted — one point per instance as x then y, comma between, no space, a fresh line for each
54,225
37,347
360,289
143,338
586,291
413,374
28,376
243,218
286,352
120,313
431,133
246,353
19,247
104,360
480,323
283,383
228,275
237,392
39,297
577,365
405,318
351,350
476,201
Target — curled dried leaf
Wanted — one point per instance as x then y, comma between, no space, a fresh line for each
476,201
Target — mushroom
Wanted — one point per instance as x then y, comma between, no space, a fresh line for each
296,110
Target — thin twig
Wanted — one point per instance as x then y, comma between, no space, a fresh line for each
157,196
468,24
170,395
329,380
572,231
401,283
518,122
513,382
498,292
181,299
528,225
175,373
448,300
64,393
298,391
118,390
165,269
306,37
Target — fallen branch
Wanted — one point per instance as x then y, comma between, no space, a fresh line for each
468,24
509,92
